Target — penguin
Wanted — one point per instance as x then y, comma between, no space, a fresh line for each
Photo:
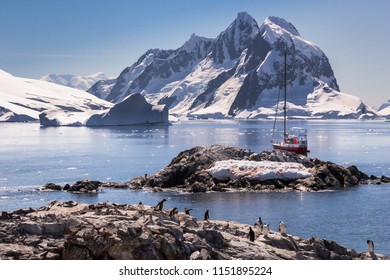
187,211
282,228
370,246
259,222
265,230
160,205
251,235
173,212
206,215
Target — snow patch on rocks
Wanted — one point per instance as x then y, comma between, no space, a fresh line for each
255,170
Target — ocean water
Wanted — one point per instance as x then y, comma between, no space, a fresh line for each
31,156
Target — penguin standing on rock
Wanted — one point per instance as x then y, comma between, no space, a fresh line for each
160,205
282,228
207,215
251,234
370,246
265,230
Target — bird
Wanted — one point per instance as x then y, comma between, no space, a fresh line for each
251,234
370,246
187,211
173,212
207,215
160,205
265,230
259,222
282,228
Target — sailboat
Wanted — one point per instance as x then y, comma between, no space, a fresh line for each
296,140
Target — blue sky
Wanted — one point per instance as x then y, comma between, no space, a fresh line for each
39,37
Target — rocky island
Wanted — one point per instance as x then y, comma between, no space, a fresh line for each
222,168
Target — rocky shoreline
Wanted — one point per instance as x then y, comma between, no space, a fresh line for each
72,231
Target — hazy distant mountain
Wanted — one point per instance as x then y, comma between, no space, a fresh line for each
74,81
238,74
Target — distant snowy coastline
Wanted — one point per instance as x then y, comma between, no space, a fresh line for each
75,81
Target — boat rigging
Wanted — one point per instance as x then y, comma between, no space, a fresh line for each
296,140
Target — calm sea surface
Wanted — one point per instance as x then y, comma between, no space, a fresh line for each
31,156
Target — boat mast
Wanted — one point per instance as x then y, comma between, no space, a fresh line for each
285,94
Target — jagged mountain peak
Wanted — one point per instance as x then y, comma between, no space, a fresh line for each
280,23
238,36
200,45
244,18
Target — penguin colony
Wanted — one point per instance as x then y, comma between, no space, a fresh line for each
264,228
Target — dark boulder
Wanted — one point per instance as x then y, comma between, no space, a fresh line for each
51,187
385,179
85,186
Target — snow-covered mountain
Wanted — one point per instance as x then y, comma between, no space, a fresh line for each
75,81
24,99
384,109
238,74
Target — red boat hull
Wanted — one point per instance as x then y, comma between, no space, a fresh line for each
291,148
